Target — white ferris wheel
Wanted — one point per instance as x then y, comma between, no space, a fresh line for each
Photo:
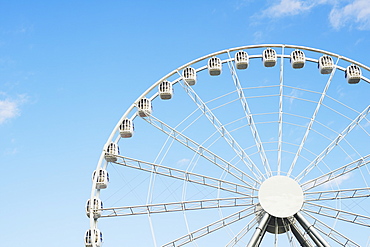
261,145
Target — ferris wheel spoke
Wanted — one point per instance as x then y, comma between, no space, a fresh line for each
235,240
177,206
201,232
334,143
332,233
309,127
204,152
337,214
249,117
185,176
337,194
337,173
280,131
224,132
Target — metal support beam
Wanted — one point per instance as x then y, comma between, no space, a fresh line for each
260,231
298,234
315,236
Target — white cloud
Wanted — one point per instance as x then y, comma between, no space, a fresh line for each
9,108
326,184
258,37
183,162
358,11
337,181
289,7
295,93
11,151
343,13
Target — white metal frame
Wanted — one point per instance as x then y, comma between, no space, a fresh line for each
306,232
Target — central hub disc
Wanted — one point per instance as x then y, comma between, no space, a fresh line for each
280,196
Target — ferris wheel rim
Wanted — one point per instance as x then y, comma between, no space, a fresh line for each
154,85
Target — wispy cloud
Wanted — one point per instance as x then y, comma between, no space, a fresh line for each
183,162
295,93
325,183
358,12
10,107
343,13
258,37
288,7
337,181
12,148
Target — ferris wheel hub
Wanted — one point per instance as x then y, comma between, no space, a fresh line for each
281,196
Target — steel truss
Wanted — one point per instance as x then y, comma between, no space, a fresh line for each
177,206
241,189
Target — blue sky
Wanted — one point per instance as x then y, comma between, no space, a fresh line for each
69,70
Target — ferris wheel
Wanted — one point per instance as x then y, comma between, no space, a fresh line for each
261,145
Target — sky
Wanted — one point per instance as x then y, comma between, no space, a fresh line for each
70,69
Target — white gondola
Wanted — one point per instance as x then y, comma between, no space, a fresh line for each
269,57
353,74
297,59
144,107
111,151
214,66
89,238
165,90
241,60
325,64
101,178
96,208
190,76
126,128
